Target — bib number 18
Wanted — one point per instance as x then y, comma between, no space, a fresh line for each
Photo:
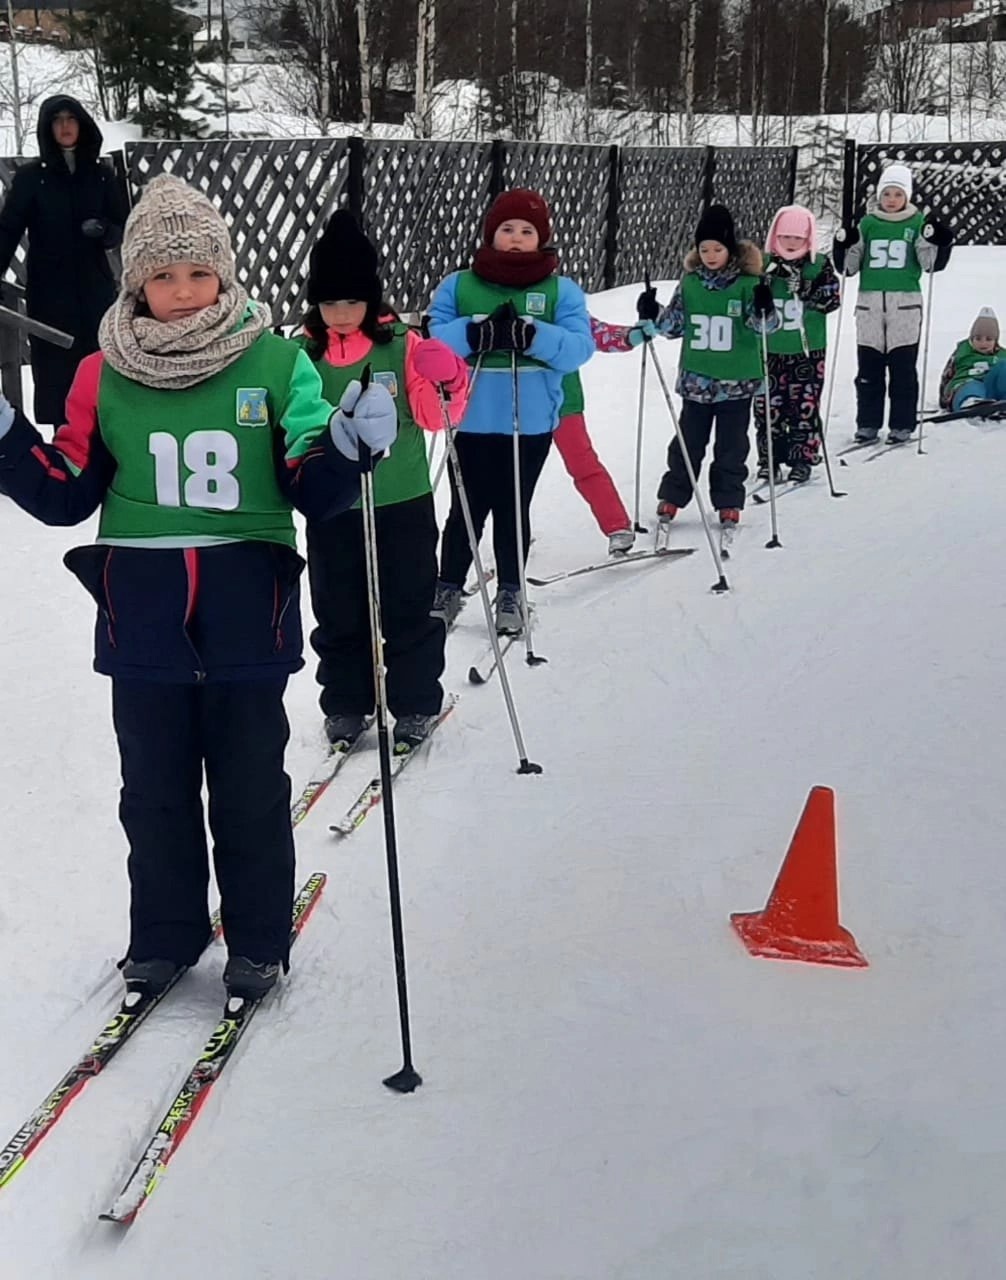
210,458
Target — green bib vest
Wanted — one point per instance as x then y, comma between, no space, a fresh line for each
479,298
199,462
572,395
969,363
890,264
717,341
403,473
795,320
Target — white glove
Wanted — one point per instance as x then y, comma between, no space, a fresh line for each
370,416
6,415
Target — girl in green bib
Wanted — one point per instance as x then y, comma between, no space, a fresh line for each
718,310
195,430
348,329
804,288
890,249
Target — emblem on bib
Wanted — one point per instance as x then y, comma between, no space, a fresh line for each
252,407
388,380
535,304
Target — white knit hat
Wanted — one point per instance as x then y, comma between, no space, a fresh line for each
896,175
173,222
986,325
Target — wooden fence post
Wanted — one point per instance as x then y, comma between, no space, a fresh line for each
354,179
849,183
708,179
793,162
611,218
497,159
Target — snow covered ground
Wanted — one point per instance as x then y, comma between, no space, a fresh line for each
614,1089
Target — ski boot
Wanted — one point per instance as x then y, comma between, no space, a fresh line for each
866,435
412,730
900,435
148,978
246,980
620,542
666,511
447,602
799,472
344,729
509,611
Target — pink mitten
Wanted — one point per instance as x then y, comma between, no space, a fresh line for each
435,361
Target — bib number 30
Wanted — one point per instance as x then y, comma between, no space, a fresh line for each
210,458
712,333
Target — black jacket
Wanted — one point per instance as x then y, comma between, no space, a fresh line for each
70,283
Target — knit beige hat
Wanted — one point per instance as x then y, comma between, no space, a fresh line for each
173,222
986,325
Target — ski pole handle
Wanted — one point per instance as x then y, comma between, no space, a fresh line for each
367,459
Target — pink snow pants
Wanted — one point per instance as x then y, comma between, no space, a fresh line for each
593,483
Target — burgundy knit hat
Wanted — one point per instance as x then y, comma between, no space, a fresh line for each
519,203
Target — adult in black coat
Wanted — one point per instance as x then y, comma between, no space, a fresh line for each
70,204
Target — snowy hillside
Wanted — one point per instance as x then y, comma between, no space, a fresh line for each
614,1089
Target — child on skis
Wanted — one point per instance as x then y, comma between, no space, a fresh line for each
592,479
976,371
890,249
511,305
194,428
348,328
804,288
718,309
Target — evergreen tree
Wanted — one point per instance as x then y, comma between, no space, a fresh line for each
144,62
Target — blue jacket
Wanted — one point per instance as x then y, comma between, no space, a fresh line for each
562,347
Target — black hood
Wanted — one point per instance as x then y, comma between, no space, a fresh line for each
88,145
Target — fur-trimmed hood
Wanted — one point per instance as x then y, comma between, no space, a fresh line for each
746,262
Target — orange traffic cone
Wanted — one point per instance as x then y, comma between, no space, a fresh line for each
800,920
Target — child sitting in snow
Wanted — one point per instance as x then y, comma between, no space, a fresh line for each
977,369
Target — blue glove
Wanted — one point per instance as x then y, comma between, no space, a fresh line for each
645,331
370,416
6,416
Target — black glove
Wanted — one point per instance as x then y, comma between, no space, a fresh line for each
938,233
781,269
845,238
647,306
93,228
763,303
504,330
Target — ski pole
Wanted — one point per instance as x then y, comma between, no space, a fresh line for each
524,765
408,1078
531,658
834,359
925,358
722,584
835,493
773,542
640,528
471,387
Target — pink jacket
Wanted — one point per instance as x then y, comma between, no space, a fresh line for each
422,394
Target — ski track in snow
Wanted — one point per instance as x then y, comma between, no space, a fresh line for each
614,1089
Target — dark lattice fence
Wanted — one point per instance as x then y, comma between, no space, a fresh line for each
659,197
961,184
275,196
752,183
618,211
422,204
575,182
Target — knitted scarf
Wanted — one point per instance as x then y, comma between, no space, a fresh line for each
180,353
514,270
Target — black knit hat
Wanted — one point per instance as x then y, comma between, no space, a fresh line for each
717,224
343,264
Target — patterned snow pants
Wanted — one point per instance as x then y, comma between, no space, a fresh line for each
796,383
